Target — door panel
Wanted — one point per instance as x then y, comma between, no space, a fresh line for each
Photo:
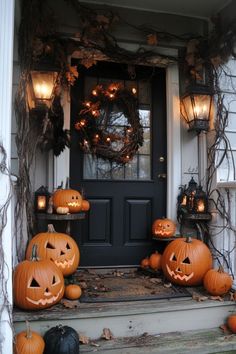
124,201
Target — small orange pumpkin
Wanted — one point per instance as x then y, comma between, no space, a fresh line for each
155,261
163,228
73,291
28,342
144,263
217,282
185,261
67,198
85,205
231,323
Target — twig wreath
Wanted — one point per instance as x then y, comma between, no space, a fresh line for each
109,124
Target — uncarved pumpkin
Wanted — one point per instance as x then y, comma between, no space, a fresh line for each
155,261
85,205
57,247
37,284
144,263
72,291
231,323
67,198
217,282
185,261
163,228
61,340
28,342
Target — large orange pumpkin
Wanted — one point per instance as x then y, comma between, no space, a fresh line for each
163,228
28,342
67,198
185,261
58,247
37,284
217,281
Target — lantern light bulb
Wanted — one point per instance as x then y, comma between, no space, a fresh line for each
134,91
108,139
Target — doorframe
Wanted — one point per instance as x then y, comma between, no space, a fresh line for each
62,162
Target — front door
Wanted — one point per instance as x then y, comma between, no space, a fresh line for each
124,201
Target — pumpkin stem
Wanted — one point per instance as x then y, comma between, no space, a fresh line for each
51,228
34,254
28,330
67,183
221,269
188,239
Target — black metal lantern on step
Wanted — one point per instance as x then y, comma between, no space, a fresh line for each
41,199
192,200
196,105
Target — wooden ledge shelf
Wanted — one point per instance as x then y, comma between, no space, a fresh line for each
68,218
63,217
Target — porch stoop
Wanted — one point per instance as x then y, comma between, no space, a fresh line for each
130,319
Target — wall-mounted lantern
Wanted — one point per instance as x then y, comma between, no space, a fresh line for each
41,199
42,87
196,105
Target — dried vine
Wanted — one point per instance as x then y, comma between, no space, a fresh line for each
4,278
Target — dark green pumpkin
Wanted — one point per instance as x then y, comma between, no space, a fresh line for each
61,340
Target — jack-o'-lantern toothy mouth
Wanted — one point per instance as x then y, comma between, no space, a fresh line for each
45,301
65,264
178,275
73,204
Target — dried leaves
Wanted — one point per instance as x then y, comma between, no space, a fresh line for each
70,304
106,334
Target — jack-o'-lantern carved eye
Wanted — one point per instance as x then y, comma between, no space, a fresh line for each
186,261
173,257
50,246
55,280
67,246
34,283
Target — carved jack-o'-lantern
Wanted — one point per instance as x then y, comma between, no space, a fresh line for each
67,198
163,228
185,261
37,284
58,247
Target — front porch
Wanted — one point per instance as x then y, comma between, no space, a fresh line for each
173,325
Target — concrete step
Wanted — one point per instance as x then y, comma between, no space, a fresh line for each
194,342
129,319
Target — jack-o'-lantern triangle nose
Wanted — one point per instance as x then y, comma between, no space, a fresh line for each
46,290
62,253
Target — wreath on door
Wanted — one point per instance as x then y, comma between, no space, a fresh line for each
109,124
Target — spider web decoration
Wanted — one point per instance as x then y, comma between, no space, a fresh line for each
109,124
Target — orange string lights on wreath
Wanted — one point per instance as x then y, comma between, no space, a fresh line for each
109,123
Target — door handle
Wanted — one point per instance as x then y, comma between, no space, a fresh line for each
162,175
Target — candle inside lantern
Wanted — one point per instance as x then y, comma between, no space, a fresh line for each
41,202
201,206
184,201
